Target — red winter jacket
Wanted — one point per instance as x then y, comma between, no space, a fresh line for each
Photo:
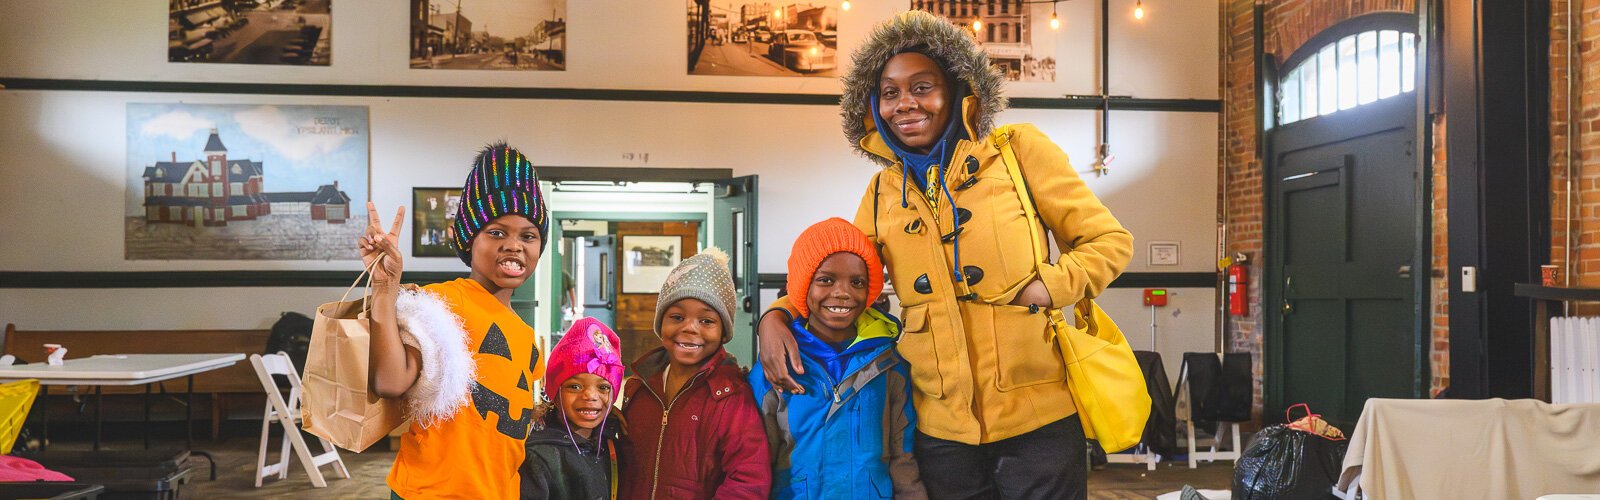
709,442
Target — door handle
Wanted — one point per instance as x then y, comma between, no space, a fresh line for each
1404,271
1288,307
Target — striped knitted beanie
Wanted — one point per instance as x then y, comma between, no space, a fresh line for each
501,182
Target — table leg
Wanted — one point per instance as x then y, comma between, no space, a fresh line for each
44,417
98,403
147,416
188,416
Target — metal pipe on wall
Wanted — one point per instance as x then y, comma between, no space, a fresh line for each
1574,165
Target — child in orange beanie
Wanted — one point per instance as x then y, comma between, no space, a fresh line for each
848,435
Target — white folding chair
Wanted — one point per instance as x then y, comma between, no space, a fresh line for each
286,412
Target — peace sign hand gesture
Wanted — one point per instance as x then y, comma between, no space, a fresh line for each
384,247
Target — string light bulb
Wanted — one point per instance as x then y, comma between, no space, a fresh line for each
977,25
844,5
1138,9
1055,22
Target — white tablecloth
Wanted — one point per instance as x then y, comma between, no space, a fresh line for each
1494,448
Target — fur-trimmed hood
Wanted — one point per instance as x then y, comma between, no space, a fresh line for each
949,46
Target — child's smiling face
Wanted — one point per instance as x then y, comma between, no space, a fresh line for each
837,296
504,252
691,331
583,400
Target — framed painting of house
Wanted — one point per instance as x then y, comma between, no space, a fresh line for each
245,182
432,209
647,260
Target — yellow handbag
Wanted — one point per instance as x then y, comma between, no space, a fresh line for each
1107,385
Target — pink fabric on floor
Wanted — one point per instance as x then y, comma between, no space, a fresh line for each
21,469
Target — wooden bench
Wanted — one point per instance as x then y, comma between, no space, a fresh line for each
28,345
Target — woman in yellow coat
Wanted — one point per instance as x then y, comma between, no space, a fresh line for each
994,414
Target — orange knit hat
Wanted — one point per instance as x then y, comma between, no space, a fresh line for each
821,240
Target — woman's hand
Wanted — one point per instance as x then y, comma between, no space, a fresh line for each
779,353
1035,294
385,247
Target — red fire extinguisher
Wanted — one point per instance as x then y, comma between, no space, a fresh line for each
1238,289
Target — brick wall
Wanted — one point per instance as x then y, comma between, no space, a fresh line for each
1287,25
1586,222
1241,171
1440,286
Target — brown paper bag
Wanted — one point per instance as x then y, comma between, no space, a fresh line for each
339,404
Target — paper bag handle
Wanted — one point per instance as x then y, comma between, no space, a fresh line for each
367,272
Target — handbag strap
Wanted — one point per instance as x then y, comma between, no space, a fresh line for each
1002,140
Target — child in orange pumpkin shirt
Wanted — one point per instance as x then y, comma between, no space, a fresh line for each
455,352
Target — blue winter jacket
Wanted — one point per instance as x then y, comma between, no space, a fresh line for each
849,435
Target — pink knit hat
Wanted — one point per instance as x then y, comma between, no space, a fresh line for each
588,347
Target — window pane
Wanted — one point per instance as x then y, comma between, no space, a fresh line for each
1408,62
1308,89
1327,81
1291,98
1367,61
1388,63
1347,72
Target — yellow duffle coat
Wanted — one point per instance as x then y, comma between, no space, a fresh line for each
985,370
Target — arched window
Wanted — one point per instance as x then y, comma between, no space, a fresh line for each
1355,70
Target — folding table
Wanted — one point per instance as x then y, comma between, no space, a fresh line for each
123,370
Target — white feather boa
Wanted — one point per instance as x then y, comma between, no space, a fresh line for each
448,370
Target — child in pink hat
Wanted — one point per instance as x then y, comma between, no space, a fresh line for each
573,454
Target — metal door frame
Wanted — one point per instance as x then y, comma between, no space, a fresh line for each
556,260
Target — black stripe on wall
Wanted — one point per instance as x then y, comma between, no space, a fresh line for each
234,279
200,279
1127,280
1071,102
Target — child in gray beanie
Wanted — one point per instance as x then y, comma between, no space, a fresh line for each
694,400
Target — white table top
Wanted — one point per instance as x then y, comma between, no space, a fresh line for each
121,369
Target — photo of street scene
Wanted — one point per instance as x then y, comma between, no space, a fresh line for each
1016,34
740,38
296,32
529,35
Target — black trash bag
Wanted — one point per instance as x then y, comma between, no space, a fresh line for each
1284,463
292,335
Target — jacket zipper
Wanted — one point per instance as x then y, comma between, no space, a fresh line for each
661,438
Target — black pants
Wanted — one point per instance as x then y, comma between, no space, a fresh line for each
1047,463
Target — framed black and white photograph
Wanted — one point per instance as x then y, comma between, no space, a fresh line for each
526,35
293,32
744,38
1015,34
432,210
647,260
